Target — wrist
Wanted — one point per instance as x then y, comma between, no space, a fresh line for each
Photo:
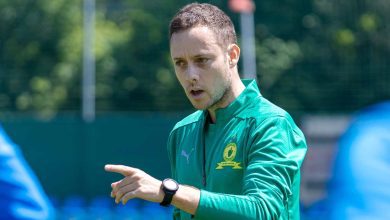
169,187
187,199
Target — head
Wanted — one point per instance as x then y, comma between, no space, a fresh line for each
206,15
205,55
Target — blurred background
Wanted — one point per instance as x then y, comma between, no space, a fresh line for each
321,60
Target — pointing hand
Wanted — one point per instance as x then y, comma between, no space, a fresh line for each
135,184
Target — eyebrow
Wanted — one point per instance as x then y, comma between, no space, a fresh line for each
177,58
196,56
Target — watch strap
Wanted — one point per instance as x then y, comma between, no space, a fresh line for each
167,199
168,193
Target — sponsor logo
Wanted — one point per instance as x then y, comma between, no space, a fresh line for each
187,155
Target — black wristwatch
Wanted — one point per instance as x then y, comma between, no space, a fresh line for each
169,187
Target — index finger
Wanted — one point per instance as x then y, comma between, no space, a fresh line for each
121,169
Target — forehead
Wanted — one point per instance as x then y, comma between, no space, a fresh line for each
194,41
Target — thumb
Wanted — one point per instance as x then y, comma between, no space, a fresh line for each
121,169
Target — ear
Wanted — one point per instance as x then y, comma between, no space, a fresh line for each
233,54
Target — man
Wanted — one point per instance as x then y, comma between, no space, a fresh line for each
21,195
238,157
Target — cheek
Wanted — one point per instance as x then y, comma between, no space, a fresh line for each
179,75
180,78
216,75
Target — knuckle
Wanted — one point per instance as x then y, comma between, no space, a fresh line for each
141,191
137,176
139,171
128,196
138,192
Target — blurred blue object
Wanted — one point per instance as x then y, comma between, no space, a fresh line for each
131,211
104,208
317,211
100,208
101,202
74,207
137,209
74,201
155,211
21,195
360,185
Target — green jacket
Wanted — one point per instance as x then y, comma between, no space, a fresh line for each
246,164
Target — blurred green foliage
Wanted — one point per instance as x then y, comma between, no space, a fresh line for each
312,56
338,53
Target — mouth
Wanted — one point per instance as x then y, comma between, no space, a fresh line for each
196,93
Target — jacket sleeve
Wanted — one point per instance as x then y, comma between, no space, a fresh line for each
275,151
172,160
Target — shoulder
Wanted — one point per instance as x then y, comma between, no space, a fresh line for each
265,117
190,119
261,110
185,126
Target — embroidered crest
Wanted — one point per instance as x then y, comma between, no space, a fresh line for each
229,154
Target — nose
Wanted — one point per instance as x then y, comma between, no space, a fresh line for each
192,73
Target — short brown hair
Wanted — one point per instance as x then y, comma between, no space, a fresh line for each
207,15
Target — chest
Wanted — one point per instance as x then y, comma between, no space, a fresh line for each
215,159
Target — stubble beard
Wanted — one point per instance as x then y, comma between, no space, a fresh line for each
217,101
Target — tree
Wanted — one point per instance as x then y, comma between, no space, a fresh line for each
337,52
312,56
39,54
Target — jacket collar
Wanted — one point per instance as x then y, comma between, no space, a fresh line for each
250,93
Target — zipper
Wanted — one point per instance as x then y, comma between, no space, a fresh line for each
203,141
204,164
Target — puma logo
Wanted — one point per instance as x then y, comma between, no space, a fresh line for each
187,155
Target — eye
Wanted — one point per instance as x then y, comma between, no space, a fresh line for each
202,60
180,63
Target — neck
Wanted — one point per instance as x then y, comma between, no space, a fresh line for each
236,89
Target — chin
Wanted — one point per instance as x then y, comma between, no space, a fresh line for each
199,106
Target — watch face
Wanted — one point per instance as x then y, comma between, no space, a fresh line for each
170,184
